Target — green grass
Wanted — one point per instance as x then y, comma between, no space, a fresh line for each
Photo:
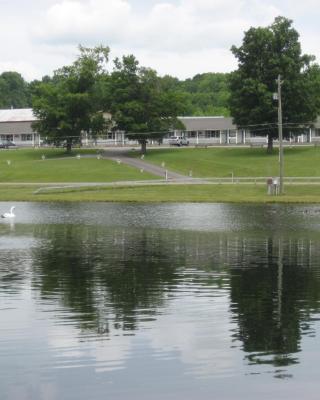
242,162
165,193
26,165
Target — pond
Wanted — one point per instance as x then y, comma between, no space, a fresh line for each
159,301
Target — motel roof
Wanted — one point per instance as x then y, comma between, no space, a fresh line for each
17,115
207,123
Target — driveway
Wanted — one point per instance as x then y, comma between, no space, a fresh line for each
122,155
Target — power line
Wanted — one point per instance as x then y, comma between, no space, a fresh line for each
275,125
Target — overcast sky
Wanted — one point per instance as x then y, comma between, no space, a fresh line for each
176,37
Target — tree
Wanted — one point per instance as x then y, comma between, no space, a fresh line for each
207,94
139,104
14,91
67,104
264,54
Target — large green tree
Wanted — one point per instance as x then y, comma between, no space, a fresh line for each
14,91
139,103
68,104
265,53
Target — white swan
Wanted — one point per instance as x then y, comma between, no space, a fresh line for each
9,214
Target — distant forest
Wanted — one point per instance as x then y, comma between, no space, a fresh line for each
205,94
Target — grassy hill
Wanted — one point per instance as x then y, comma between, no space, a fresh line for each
241,162
28,165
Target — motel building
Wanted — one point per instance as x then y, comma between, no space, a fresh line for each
16,126
221,131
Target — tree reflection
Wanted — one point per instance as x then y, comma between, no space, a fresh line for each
272,297
114,279
104,276
15,257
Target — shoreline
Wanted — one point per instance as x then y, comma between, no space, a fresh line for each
155,193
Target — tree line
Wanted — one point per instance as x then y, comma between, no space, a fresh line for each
205,94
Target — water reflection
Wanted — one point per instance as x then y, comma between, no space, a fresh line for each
116,299
114,280
273,301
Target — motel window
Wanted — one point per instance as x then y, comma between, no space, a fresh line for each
7,137
191,134
212,134
111,135
317,132
26,137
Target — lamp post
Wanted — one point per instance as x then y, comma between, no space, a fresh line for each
281,164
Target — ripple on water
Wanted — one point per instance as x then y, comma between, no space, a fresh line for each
169,299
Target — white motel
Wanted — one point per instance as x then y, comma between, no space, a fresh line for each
16,126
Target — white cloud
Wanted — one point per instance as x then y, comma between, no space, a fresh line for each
69,21
27,69
179,37
185,26
178,64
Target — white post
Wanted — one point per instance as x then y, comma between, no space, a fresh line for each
228,138
197,137
220,137
310,135
244,136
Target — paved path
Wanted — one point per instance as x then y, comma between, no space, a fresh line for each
122,155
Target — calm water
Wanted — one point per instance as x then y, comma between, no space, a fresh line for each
119,301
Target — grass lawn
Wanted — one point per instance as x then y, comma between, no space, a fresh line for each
242,162
166,193
27,165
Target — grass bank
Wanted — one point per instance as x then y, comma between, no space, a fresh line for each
167,193
241,162
22,166
54,165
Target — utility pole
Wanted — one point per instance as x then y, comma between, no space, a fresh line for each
280,136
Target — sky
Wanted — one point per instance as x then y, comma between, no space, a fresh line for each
181,38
